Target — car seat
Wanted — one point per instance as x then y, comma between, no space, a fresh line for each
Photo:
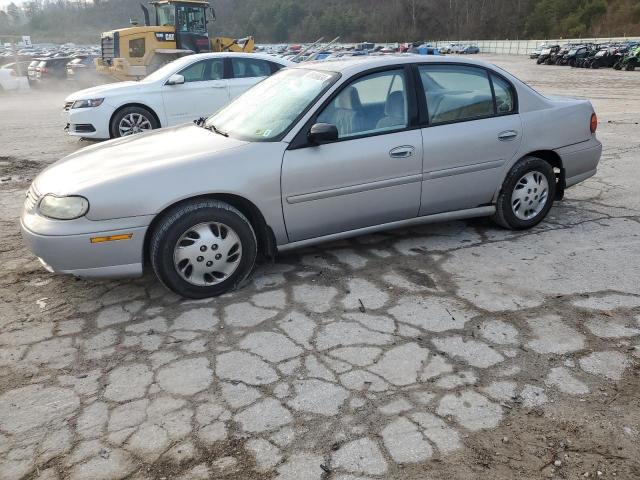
394,111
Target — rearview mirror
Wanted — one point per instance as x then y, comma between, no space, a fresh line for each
323,133
175,80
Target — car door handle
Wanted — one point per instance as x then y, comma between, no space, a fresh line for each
404,151
219,85
508,135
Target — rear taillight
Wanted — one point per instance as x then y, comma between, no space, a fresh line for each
13,73
594,123
44,70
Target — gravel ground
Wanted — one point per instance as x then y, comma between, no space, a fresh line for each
457,351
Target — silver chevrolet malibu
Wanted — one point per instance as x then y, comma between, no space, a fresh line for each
319,152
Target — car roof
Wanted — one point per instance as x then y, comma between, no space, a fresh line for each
188,59
354,65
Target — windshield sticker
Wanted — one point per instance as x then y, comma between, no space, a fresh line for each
267,133
317,76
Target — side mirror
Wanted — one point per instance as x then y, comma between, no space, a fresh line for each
323,133
175,79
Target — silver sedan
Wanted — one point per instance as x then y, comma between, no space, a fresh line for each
319,152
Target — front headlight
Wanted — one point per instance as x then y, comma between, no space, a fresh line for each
63,208
94,102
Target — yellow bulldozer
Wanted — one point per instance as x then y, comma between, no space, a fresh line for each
180,27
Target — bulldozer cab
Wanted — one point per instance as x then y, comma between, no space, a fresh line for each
189,18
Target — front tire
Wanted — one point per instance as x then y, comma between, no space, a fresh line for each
132,120
203,248
527,194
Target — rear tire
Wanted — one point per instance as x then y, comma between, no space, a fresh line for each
203,248
527,194
132,120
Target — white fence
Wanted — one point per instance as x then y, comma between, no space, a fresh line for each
524,47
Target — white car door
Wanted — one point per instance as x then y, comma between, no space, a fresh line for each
204,92
246,73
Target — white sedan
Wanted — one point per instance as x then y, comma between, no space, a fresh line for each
182,91
11,79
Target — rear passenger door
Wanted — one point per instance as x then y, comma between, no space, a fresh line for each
472,129
247,72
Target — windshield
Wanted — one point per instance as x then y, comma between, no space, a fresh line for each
191,19
166,15
269,109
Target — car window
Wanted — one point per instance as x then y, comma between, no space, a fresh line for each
505,96
373,104
463,93
250,68
137,47
204,71
275,66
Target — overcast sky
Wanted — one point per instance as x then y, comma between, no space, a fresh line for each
4,3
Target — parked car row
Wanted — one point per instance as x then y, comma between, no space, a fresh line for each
617,55
81,69
45,51
463,49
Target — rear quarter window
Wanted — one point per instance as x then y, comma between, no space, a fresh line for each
506,101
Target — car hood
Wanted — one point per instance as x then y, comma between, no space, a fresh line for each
137,155
106,90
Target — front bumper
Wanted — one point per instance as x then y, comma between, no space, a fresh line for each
89,122
75,254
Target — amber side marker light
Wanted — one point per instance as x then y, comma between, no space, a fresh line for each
112,238
594,123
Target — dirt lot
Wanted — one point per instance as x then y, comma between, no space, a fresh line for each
456,351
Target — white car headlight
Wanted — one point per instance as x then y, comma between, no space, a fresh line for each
94,102
63,208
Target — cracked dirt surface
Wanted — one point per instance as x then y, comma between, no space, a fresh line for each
456,351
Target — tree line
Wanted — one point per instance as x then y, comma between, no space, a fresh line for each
81,21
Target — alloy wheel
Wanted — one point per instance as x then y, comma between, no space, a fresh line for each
134,123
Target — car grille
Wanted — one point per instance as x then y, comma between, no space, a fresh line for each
32,199
67,106
108,48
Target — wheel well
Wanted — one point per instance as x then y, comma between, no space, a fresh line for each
264,233
555,161
141,105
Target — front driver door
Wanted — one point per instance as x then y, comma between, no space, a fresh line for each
371,175
204,92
